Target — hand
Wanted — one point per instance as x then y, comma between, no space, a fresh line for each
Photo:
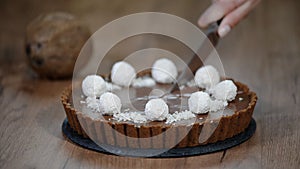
232,12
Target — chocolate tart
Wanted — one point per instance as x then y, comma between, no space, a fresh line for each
105,130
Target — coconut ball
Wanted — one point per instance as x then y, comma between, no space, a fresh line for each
53,42
110,103
164,71
122,73
93,85
207,77
225,90
199,102
156,109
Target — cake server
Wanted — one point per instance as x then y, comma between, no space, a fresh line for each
195,62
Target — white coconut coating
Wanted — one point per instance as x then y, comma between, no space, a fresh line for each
156,109
93,103
122,73
216,105
135,117
164,71
93,85
207,77
143,82
112,87
199,102
109,103
178,116
225,90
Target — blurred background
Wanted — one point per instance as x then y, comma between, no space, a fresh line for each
16,15
271,26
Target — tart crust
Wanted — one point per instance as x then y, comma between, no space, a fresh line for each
105,131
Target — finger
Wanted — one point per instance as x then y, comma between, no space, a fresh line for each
234,17
217,10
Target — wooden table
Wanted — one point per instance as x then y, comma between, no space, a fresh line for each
263,52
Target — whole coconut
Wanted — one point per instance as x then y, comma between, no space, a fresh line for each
53,42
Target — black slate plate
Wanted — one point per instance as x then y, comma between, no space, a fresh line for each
172,153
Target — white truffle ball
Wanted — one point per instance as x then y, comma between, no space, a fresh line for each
110,103
225,90
207,77
156,109
122,73
93,85
164,71
199,102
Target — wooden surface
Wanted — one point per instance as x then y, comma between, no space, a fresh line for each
263,52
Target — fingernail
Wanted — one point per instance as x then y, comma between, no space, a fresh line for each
224,30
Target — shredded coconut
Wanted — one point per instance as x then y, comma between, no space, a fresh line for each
164,71
93,85
225,90
122,73
156,109
181,87
143,82
178,116
93,103
207,77
191,83
199,102
135,117
216,105
112,87
91,113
